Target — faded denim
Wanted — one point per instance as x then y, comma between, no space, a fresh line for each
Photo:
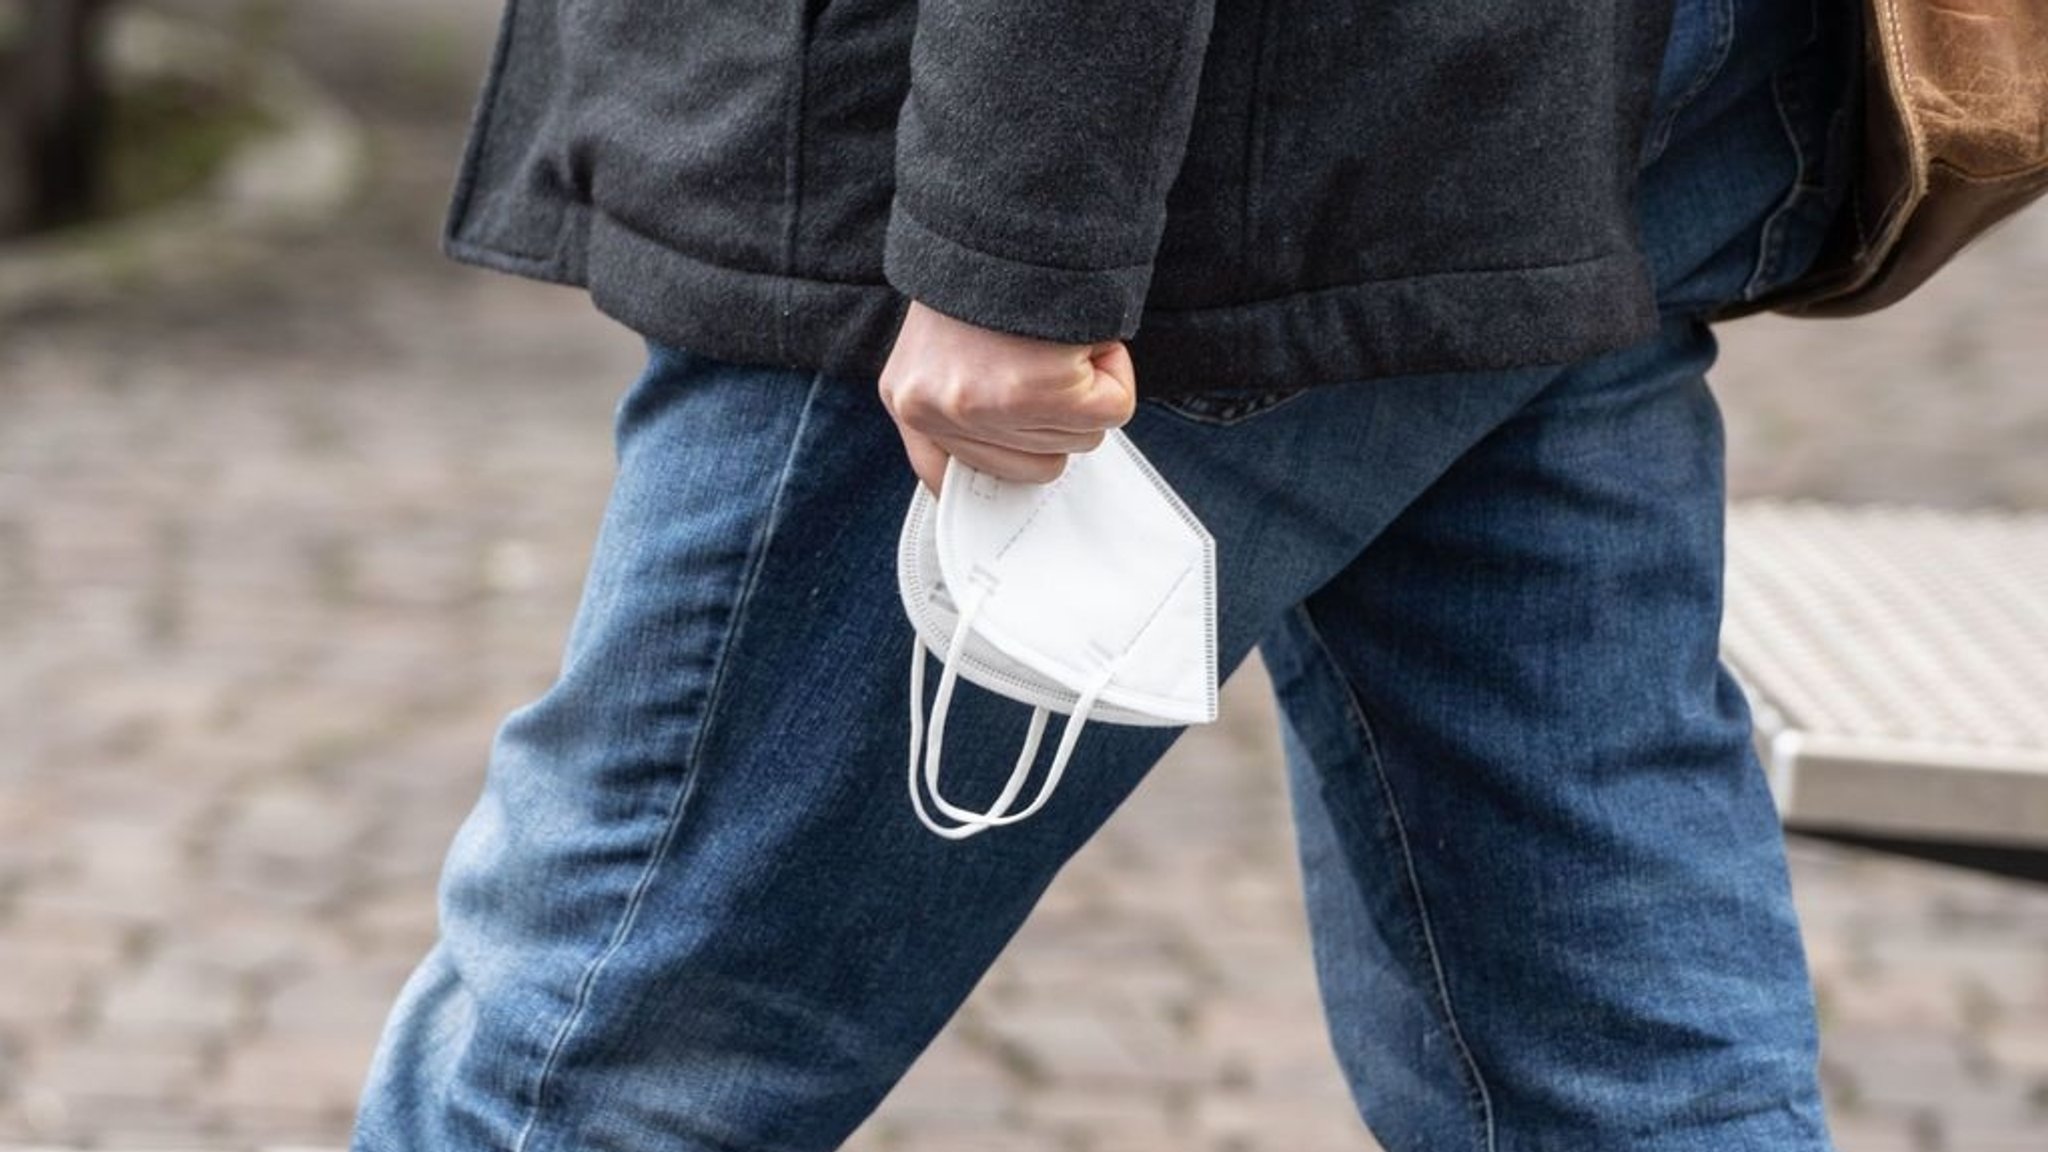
692,909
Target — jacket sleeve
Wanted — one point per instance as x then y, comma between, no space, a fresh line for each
1033,156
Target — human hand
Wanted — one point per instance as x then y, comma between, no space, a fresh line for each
1013,406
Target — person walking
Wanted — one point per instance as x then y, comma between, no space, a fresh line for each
1410,303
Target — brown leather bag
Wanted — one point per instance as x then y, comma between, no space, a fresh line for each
1955,139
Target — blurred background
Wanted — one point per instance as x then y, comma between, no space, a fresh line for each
293,510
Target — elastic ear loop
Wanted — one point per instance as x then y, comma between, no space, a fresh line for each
999,812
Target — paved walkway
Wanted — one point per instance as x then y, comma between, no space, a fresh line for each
277,550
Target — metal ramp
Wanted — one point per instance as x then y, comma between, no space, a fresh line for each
1896,661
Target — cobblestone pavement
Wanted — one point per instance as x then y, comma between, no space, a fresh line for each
278,548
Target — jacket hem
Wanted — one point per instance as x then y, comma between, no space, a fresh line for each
1493,320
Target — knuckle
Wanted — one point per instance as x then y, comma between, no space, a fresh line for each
914,405
963,400
979,400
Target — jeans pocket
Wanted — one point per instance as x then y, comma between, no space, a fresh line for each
1816,97
1225,406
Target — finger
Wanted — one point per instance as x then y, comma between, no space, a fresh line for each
1116,384
927,458
1102,395
1007,463
1115,359
1061,406
1059,441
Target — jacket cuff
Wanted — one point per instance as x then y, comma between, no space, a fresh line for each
1068,305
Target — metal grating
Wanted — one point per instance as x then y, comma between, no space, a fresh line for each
1897,661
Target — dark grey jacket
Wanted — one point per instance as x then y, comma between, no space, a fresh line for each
1252,193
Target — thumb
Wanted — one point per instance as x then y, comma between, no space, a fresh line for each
1116,382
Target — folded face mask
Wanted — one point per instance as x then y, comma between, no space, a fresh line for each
1093,595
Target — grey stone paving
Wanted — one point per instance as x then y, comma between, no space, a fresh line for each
279,546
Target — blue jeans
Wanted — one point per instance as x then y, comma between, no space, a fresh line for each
692,909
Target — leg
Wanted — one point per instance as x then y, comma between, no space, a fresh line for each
1546,878
692,908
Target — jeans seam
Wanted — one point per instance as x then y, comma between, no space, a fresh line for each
1771,239
749,578
1481,1096
1724,39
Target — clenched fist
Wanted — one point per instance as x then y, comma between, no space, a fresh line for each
1013,406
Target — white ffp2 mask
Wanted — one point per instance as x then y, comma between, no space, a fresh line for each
1093,595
